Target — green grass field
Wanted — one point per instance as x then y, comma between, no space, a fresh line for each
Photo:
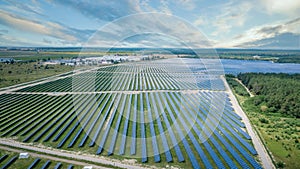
16,73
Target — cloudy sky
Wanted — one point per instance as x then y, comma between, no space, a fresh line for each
151,23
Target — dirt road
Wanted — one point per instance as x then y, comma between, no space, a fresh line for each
258,145
65,156
251,95
51,157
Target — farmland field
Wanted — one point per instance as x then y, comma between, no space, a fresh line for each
170,112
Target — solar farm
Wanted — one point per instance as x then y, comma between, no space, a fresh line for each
169,111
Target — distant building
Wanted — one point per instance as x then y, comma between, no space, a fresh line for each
256,57
23,155
88,167
70,64
104,62
50,63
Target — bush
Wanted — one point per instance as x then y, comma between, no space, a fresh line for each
263,120
280,164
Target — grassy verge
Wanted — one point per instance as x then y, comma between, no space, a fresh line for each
12,74
279,133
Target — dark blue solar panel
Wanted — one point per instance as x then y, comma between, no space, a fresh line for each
125,128
224,142
70,122
233,152
152,131
236,135
10,162
46,164
143,134
54,123
106,131
58,166
161,131
87,134
133,134
173,138
211,138
82,127
136,82
84,112
47,119
206,145
92,143
34,163
192,158
2,158
141,82
191,136
115,131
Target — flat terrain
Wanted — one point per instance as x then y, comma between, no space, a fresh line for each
16,73
155,113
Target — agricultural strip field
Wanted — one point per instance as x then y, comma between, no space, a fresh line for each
164,112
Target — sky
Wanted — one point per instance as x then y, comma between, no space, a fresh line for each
269,24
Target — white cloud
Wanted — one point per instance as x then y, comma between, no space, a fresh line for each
164,7
139,28
200,21
104,10
25,9
8,40
30,26
260,33
221,21
232,15
187,4
286,7
144,6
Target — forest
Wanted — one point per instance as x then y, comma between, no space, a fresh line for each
273,112
275,93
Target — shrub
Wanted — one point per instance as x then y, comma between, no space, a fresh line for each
280,164
263,120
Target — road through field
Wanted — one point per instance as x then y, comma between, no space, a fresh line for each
259,147
64,156
240,82
51,157
46,79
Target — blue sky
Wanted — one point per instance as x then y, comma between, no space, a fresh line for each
203,23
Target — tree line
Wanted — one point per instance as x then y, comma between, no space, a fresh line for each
276,93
